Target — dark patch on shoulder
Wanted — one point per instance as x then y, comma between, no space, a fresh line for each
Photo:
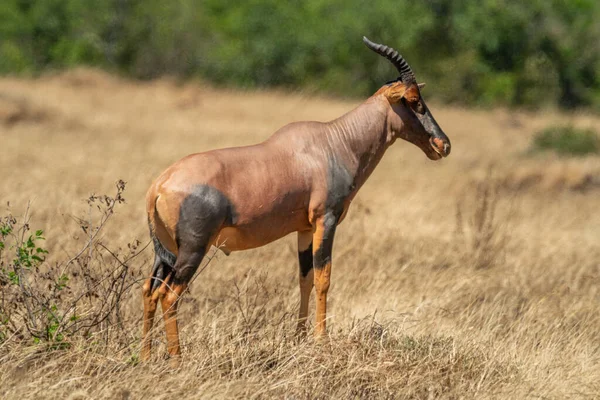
322,256
306,260
340,184
201,213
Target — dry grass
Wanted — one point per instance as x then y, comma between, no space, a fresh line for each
474,277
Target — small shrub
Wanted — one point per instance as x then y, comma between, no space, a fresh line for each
567,140
52,303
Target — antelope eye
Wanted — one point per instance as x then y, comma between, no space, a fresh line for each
417,107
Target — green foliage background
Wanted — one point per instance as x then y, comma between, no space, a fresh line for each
487,52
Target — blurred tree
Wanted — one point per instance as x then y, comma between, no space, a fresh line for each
536,53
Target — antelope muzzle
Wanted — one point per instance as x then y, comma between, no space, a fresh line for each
440,145
437,138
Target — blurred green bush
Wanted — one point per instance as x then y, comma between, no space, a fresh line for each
486,52
567,140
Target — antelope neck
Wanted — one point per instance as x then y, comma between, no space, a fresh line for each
360,137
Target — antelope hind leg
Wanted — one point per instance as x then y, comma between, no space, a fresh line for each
150,300
170,293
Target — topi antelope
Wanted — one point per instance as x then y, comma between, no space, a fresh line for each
302,179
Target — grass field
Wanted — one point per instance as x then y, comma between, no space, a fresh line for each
473,277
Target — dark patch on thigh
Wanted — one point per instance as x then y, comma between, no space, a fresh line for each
306,260
187,264
202,212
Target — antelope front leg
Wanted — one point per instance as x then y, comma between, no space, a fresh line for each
322,246
305,259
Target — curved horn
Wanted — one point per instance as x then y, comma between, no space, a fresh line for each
406,74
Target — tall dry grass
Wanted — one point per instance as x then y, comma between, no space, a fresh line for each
473,277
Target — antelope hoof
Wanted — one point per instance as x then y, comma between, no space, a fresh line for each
145,357
321,337
301,334
175,362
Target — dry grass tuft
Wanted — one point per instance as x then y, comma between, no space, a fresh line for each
482,233
448,282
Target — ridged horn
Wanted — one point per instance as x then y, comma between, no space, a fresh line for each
406,74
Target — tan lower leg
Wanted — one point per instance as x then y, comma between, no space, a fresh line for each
169,300
321,280
150,302
306,285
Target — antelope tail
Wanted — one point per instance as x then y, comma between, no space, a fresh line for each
164,260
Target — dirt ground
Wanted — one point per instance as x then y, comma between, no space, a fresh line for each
477,276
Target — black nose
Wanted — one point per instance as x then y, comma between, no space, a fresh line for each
447,148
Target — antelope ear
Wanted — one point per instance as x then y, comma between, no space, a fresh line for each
412,93
421,85
395,92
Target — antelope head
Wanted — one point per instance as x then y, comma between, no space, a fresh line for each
410,118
